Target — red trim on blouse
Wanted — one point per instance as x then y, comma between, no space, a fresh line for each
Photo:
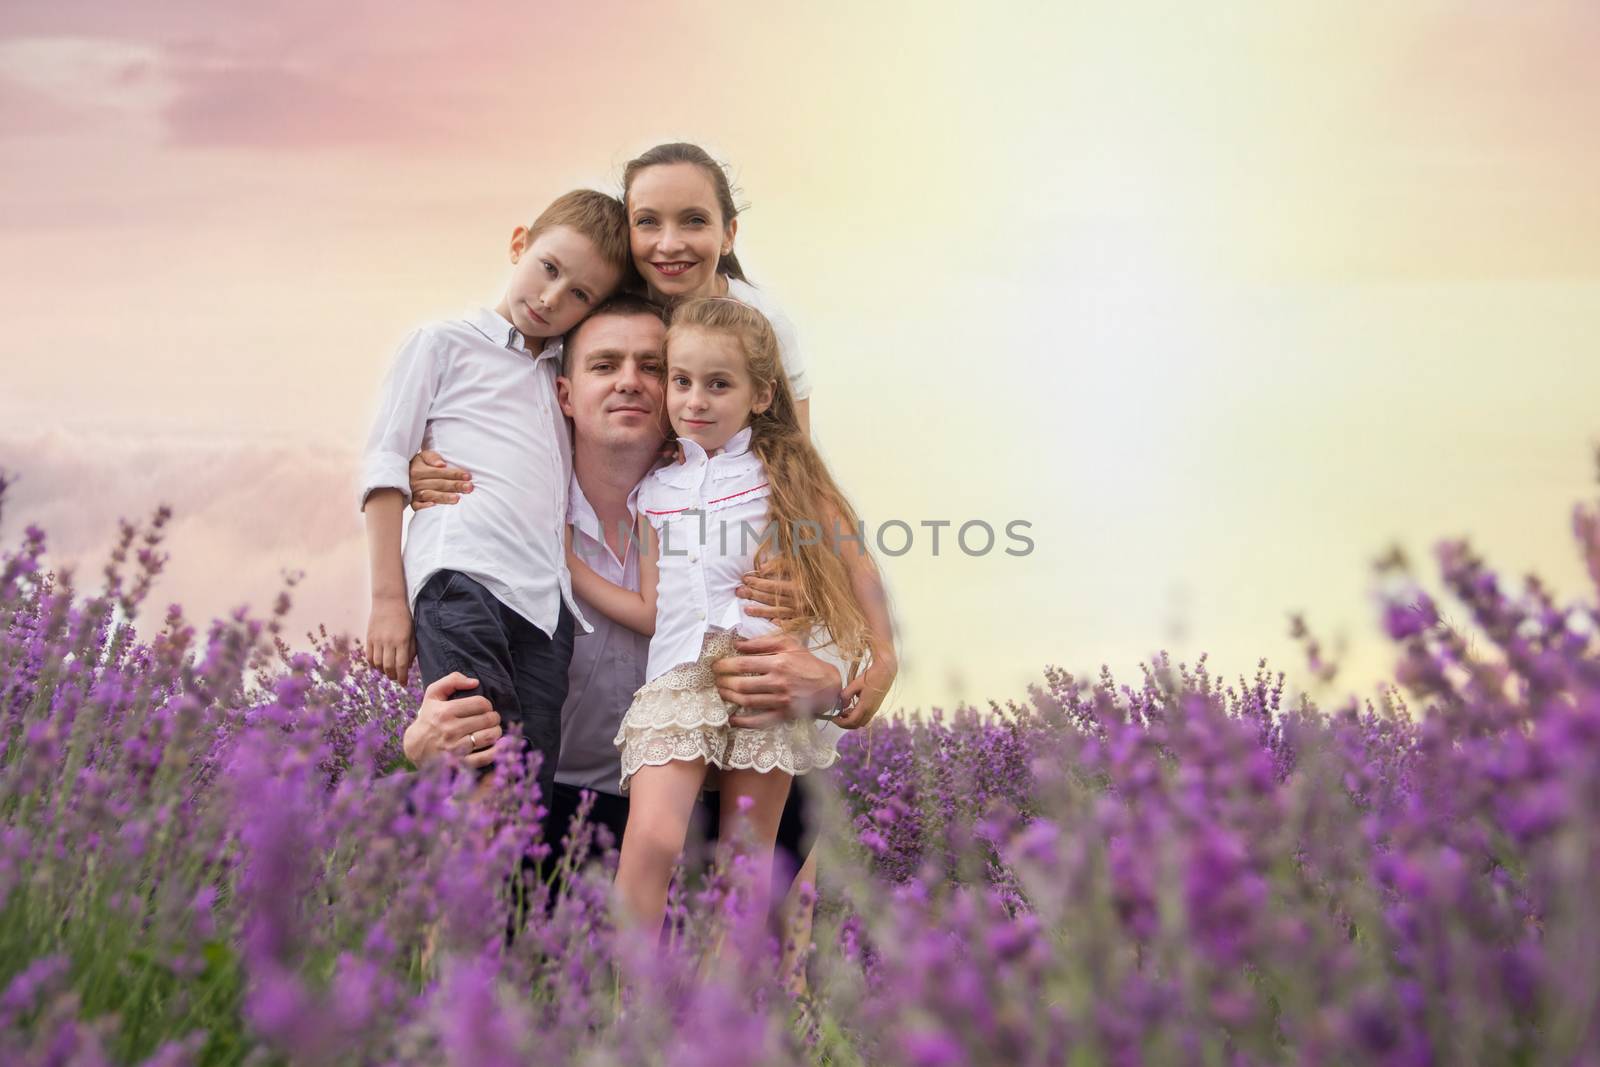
720,499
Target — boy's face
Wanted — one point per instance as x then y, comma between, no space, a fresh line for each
612,388
556,279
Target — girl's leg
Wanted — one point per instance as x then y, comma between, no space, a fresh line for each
755,830
799,908
661,802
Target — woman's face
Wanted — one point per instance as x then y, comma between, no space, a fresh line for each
677,231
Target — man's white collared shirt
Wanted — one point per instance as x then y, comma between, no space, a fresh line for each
710,514
488,405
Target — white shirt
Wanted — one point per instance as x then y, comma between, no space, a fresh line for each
489,404
710,514
794,362
607,664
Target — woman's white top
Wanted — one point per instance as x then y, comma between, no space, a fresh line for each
794,363
710,513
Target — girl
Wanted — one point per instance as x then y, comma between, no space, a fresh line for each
681,225
748,485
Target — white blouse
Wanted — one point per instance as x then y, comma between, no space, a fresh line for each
710,514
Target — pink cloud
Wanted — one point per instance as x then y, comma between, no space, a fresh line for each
262,106
27,112
244,513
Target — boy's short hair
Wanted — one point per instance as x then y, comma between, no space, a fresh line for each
621,302
599,217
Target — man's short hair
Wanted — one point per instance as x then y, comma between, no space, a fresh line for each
622,303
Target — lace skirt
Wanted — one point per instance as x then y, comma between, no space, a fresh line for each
679,716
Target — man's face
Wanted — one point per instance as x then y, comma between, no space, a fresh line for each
612,391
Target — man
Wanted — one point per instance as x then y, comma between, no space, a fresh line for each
611,389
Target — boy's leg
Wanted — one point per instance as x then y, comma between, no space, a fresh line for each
460,626
539,672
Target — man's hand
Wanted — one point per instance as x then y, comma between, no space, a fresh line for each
769,594
865,693
391,644
775,678
468,727
433,481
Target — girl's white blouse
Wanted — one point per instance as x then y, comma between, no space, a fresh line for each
710,514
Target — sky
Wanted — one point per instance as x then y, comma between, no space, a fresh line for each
1223,303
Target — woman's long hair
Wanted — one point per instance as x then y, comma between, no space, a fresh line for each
804,498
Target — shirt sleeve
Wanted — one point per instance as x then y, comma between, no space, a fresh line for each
794,362
403,405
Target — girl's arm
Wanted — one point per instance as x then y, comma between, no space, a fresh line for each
636,611
869,688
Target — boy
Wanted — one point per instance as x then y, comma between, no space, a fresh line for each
486,582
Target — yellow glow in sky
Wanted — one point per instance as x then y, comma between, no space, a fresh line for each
1221,301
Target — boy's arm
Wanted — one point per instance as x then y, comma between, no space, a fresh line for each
404,403
403,407
391,643
636,611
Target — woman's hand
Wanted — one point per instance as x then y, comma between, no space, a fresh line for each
469,727
866,693
769,594
391,643
433,481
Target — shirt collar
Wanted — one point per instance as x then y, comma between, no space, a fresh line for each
682,475
694,455
497,329
581,513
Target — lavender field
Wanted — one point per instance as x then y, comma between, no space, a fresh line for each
212,851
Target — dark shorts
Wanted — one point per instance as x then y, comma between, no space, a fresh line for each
460,626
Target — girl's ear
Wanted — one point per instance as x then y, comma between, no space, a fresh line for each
763,399
728,235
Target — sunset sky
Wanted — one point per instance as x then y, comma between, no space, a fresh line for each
1223,300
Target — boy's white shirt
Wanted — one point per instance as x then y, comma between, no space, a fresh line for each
489,404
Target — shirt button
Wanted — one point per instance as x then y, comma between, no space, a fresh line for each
693,558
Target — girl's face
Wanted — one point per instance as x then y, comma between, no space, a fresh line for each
677,231
710,394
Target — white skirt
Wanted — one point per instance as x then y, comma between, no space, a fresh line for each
680,716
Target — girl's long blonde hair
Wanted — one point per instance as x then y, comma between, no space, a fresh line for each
805,501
